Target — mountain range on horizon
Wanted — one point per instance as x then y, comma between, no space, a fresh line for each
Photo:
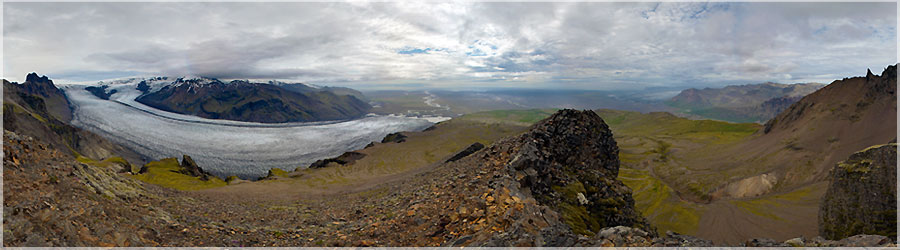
742,103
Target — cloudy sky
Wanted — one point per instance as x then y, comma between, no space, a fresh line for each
454,45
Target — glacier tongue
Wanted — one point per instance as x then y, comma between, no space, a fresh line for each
224,147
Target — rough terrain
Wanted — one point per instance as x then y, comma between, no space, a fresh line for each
862,195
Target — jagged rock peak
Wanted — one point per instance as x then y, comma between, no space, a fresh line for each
580,138
34,78
890,71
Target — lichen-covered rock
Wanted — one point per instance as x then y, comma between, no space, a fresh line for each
107,183
862,196
571,153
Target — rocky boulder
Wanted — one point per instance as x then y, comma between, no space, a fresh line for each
189,167
466,152
862,195
559,181
570,162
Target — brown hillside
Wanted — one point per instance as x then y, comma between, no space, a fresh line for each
799,145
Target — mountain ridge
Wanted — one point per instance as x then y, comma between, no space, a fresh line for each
242,100
741,103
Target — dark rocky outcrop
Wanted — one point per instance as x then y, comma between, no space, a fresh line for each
570,161
189,167
466,152
344,159
394,137
100,92
862,196
564,171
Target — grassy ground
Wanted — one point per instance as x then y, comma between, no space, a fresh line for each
659,204
664,145
165,173
115,161
510,117
420,149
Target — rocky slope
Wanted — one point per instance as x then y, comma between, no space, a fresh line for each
49,199
37,108
253,102
821,129
742,103
41,87
862,196
554,185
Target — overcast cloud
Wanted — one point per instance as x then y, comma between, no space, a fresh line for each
454,45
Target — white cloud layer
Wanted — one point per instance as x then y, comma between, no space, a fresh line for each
454,45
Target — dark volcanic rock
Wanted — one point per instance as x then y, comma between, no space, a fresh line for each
189,167
343,159
570,161
565,169
394,137
862,196
143,87
100,92
466,152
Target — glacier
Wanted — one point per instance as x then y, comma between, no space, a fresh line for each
223,147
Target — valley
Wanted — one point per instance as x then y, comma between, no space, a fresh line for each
678,182
449,124
244,149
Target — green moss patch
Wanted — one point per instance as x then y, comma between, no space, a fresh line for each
277,172
165,173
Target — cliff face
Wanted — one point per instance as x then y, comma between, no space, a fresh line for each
862,195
